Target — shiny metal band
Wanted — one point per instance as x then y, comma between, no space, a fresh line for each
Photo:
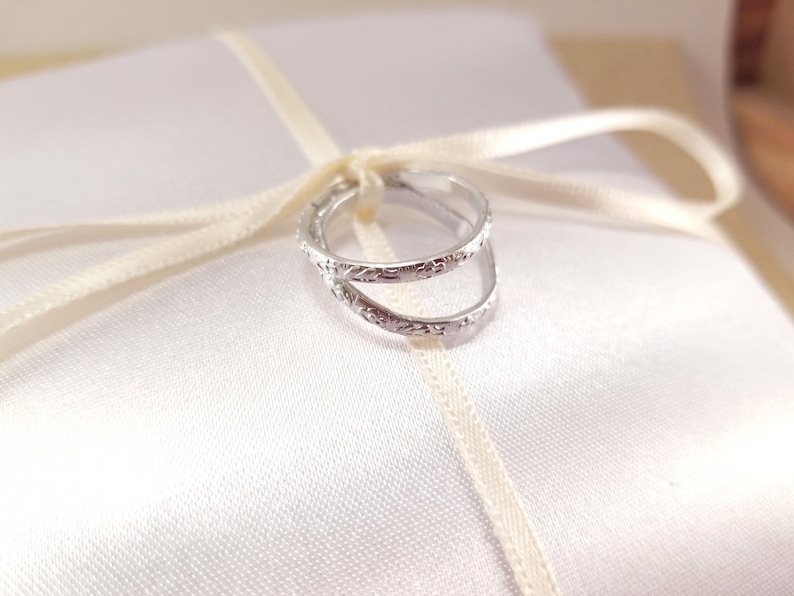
322,212
316,221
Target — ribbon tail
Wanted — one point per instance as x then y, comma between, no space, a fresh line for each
172,252
162,255
204,215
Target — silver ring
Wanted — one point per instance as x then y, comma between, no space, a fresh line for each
325,209
389,320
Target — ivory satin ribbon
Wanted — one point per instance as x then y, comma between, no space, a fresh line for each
202,231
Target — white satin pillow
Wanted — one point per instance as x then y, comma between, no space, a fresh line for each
230,429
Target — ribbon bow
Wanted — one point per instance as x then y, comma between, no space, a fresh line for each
470,155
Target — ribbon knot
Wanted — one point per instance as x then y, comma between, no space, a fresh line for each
360,168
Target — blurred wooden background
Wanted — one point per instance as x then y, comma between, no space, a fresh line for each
763,99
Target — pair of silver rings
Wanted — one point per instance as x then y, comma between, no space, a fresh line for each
338,272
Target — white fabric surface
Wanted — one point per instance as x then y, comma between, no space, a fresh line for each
233,430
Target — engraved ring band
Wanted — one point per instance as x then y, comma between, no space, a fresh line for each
321,213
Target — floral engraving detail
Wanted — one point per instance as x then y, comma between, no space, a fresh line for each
326,267
391,273
432,268
337,272
374,316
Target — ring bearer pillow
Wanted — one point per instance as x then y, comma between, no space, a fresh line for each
222,425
